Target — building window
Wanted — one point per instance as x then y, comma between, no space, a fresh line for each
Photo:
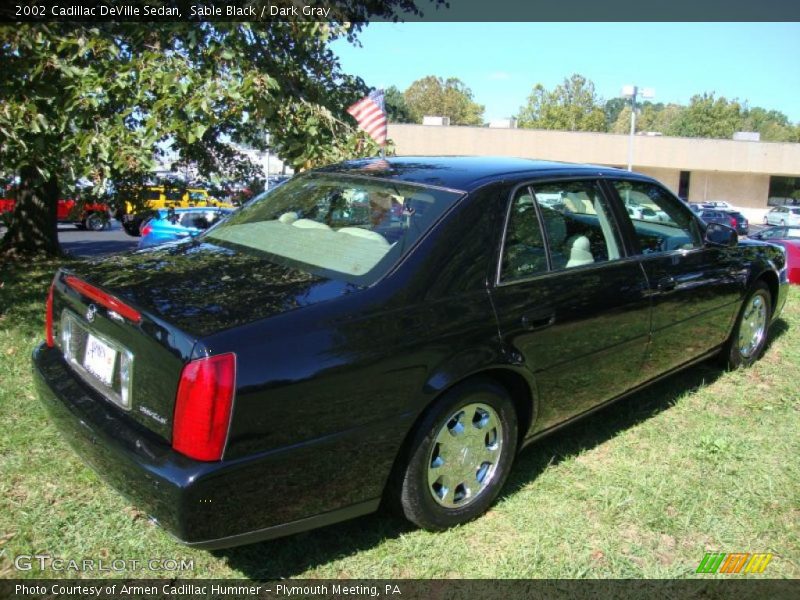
783,190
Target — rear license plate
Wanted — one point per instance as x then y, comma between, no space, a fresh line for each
99,359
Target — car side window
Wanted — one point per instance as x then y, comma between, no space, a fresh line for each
578,223
196,220
524,253
671,226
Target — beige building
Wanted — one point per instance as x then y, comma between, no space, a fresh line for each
700,169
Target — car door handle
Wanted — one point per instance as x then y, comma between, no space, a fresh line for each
666,284
538,321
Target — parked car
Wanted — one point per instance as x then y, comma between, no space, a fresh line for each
783,215
739,222
733,219
645,213
314,354
789,238
87,215
156,197
711,204
173,224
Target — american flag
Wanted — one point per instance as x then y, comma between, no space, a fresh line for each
371,116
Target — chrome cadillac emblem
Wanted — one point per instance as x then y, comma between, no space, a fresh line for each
91,312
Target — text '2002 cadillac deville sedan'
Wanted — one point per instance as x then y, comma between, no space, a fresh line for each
392,329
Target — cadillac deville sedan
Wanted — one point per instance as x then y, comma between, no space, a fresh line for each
386,330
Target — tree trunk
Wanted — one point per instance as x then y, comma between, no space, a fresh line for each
34,227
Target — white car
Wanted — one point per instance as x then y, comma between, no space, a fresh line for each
644,213
783,215
717,204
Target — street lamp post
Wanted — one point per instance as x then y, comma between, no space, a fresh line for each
631,91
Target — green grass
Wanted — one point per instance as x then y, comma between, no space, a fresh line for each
703,461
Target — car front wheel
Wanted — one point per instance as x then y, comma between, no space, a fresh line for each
749,337
460,456
95,222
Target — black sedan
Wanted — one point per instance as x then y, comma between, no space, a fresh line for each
386,330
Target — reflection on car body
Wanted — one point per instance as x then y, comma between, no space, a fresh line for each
388,329
170,224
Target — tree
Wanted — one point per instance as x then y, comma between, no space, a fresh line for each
650,117
445,98
571,106
612,109
708,117
773,125
104,100
396,108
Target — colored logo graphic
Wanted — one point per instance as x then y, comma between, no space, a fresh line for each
741,562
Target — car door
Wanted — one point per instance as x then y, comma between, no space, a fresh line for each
571,307
695,288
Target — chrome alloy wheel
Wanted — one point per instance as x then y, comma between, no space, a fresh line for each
465,455
753,326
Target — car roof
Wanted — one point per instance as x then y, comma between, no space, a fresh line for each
466,173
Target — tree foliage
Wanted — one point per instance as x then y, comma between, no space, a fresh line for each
449,97
104,101
396,108
708,117
571,106
650,117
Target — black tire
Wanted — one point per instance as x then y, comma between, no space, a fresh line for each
131,228
95,222
415,489
757,307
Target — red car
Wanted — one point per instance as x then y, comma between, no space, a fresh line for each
789,238
92,216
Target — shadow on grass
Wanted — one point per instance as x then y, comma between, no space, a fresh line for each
292,556
23,292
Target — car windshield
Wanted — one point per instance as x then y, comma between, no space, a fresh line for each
339,226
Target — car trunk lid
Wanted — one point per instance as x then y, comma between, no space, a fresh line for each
127,325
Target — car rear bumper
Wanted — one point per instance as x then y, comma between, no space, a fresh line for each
206,505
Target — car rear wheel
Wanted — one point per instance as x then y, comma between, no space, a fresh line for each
460,456
749,337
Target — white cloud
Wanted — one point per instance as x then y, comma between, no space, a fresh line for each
499,76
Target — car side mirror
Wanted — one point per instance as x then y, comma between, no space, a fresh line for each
718,234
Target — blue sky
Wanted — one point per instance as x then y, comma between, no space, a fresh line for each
500,62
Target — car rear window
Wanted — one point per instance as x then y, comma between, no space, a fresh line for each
345,227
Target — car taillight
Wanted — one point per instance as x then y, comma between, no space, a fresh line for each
733,222
203,407
146,229
102,298
48,318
